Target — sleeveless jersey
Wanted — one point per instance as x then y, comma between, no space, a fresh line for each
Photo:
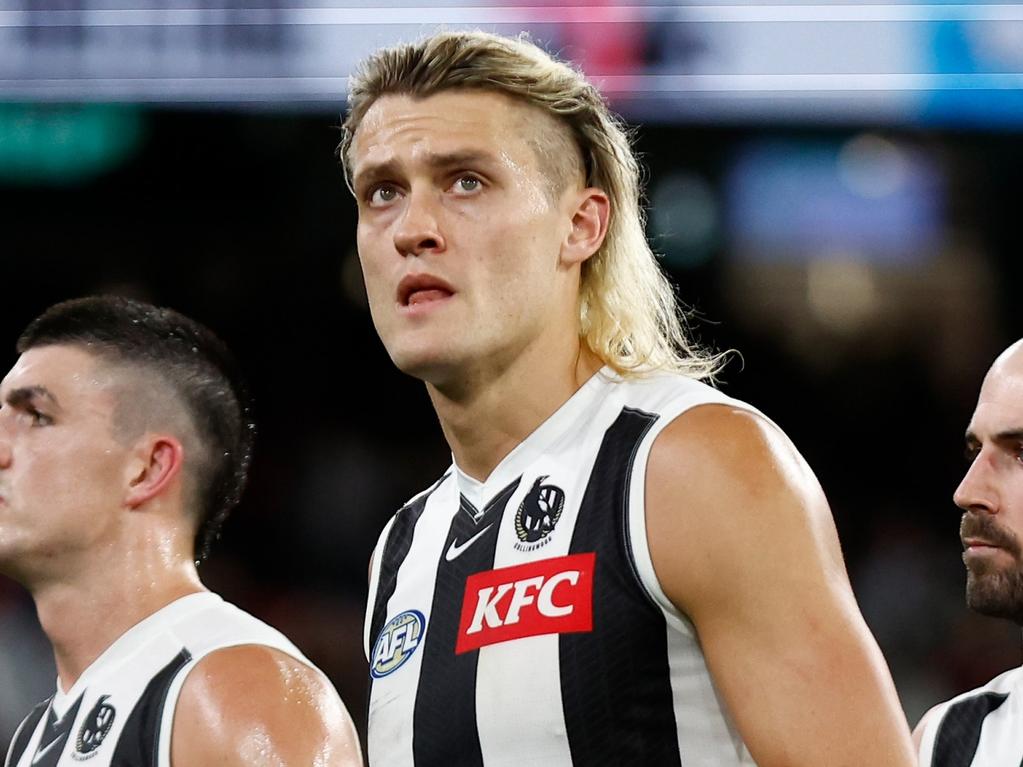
980,728
120,712
529,629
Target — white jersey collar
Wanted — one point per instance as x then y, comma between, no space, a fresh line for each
126,645
556,427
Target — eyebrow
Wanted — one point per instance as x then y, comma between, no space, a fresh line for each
1009,435
433,160
25,394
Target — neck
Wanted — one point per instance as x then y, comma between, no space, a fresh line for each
83,618
488,414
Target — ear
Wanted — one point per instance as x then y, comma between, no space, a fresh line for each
591,211
157,462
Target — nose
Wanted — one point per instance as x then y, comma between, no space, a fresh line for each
5,452
977,491
418,230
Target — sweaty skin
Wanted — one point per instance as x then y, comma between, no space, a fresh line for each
223,718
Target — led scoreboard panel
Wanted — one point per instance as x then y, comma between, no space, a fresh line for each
897,62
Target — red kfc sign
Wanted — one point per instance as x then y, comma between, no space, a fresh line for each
552,596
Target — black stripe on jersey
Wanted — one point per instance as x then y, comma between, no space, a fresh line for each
615,681
24,733
444,730
139,743
54,737
396,548
958,736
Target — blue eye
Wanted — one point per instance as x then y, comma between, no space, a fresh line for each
468,183
383,195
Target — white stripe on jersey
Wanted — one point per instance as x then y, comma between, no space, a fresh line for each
529,669
393,736
706,734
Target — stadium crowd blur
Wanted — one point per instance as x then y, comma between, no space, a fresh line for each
867,274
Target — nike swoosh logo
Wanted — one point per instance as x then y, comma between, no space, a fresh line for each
43,751
455,550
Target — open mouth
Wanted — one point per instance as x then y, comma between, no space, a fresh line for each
425,296
419,289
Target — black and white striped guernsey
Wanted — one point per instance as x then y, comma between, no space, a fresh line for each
120,712
980,728
528,629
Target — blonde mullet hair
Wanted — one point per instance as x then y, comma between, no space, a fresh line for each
628,313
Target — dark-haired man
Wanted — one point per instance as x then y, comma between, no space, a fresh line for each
124,442
982,727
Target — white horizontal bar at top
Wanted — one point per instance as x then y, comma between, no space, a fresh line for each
476,15
335,87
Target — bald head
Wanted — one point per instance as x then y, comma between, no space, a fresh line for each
991,492
1009,362
1003,385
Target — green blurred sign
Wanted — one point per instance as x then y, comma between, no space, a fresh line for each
48,144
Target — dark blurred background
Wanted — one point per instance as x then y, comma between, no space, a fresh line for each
833,188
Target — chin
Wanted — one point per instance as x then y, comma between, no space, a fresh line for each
996,594
431,367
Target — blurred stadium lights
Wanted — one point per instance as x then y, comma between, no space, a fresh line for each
893,62
797,201
842,292
835,242
684,219
63,145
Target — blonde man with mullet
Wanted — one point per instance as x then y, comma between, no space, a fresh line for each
622,566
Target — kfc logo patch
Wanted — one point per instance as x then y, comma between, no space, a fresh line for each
552,596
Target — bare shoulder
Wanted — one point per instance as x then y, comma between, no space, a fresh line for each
719,441
743,542
724,483
255,705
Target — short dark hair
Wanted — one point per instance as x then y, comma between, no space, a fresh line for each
196,365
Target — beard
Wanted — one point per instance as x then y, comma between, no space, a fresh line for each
992,588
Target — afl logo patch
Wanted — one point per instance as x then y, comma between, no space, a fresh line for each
94,730
397,642
538,513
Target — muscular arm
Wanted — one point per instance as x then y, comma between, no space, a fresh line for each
253,706
743,542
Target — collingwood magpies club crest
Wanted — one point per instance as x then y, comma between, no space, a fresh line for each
538,513
94,730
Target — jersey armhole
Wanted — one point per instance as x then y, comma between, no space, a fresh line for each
170,705
374,582
170,701
930,733
638,542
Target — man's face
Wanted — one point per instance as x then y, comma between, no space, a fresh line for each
460,232
991,493
61,469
